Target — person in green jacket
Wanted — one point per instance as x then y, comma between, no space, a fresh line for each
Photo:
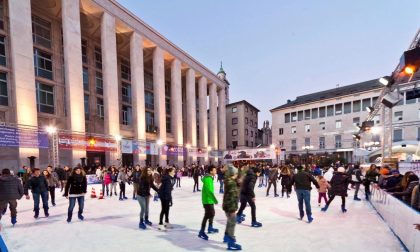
208,199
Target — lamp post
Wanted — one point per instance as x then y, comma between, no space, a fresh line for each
54,157
307,148
159,143
118,139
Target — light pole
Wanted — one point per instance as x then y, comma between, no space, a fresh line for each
118,139
54,157
159,143
307,148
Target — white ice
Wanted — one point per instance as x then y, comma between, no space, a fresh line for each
112,225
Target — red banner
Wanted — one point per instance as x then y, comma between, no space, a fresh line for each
88,143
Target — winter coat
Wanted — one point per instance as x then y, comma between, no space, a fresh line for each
37,185
52,181
303,180
25,178
317,171
144,186
356,176
122,177
207,191
61,173
285,179
248,184
274,173
371,176
220,175
76,186
230,196
196,173
114,177
323,185
135,176
339,184
165,190
415,198
406,194
392,181
107,178
10,188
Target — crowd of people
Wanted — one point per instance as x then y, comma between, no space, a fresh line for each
236,184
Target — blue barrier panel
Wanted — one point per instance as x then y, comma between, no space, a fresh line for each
3,247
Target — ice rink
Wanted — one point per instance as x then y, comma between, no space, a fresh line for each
112,225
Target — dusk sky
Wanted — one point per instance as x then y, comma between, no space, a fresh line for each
274,50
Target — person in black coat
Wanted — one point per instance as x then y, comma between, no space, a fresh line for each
145,182
196,175
339,185
248,196
272,180
356,177
39,187
165,195
11,190
76,189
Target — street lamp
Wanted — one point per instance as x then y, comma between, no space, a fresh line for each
118,138
307,148
51,130
54,157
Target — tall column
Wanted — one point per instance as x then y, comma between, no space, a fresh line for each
213,116
23,81
176,107
137,87
222,119
110,80
70,11
202,113
191,110
159,99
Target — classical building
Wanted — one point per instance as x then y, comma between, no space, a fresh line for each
93,69
241,125
264,137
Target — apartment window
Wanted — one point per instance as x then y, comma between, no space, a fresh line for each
246,143
300,115
256,125
235,120
293,129
307,141
338,109
398,135
314,113
99,83
307,128
41,32
294,117
85,79
374,100
338,141
234,144
322,125
127,115
252,133
356,106
2,51
398,115
246,108
246,120
246,132
86,103
321,112
365,103
100,110
45,98
126,92
43,64
1,15
280,131
401,101
84,51
294,144
98,57
150,122
4,94
234,109
125,70
281,143
338,124
307,114
149,100
330,110
234,132
287,118
252,144
252,122
356,121
347,107
409,101
168,106
321,143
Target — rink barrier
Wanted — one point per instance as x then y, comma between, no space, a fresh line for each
3,247
399,217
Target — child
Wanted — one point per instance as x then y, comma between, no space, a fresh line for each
322,191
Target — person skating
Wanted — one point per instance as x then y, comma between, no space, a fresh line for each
230,206
370,177
11,190
248,196
322,191
39,187
208,199
122,179
339,184
272,180
135,177
196,175
75,190
145,182
303,188
220,178
165,195
52,183
285,177
114,182
356,175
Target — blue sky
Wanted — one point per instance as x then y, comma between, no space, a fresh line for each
274,50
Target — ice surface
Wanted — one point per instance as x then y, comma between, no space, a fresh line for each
112,225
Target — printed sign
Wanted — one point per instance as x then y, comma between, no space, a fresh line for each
250,154
127,146
82,142
23,137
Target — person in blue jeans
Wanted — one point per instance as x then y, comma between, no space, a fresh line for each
76,189
221,178
39,187
302,181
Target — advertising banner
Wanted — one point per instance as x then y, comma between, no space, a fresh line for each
139,147
23,137
216,154
126,146
92,179
250,154
82,142
170,150
191,152
152,148
202,153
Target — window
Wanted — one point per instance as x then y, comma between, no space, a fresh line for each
365,104
100,111
252,144
338,124
314,113
281,143
126,92
98,57
246,132
168,125
85,79
374,100
84,51
321,112
409,101
321,143
252,122
322,125
398,135
1,15
45,98
287,118
398,115
347,107
293,129
294,144
43,64
4,94
280,131
300,115
86,103
2,51
235,120
307,114
338,109
294,117
246,108
246,143
246,120
307,128
150,122
338,141
99,83
168,106
234,144
252,133
307,141
127,115
234,109
125,70
149,100
41,32
356,106
256,125
356,121
330,110
234,132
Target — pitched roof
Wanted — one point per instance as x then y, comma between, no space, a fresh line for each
332,93
243,101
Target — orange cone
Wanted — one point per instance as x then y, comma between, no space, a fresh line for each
93,193
101,195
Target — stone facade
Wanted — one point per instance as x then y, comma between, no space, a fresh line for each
241,125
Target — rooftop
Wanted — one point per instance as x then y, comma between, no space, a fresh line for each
243,101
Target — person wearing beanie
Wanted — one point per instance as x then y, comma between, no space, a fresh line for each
302,181
230,205
248,196
208,200
11,190
339,184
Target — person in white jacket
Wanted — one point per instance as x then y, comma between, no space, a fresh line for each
329,174
122,179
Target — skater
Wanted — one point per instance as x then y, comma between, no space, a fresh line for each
322,191
285,181
272,180
39,187
145,182
370,177
26,176
266,172
220,178
303,188
52,183
135,177
178,177
208,199
107,180
339,184
196,175
122,179
114,182
67,173
230,206
158,181
356,177
76,189
11,190
165,195
248,196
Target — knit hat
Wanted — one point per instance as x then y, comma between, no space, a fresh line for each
341,169
230,170
395,172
